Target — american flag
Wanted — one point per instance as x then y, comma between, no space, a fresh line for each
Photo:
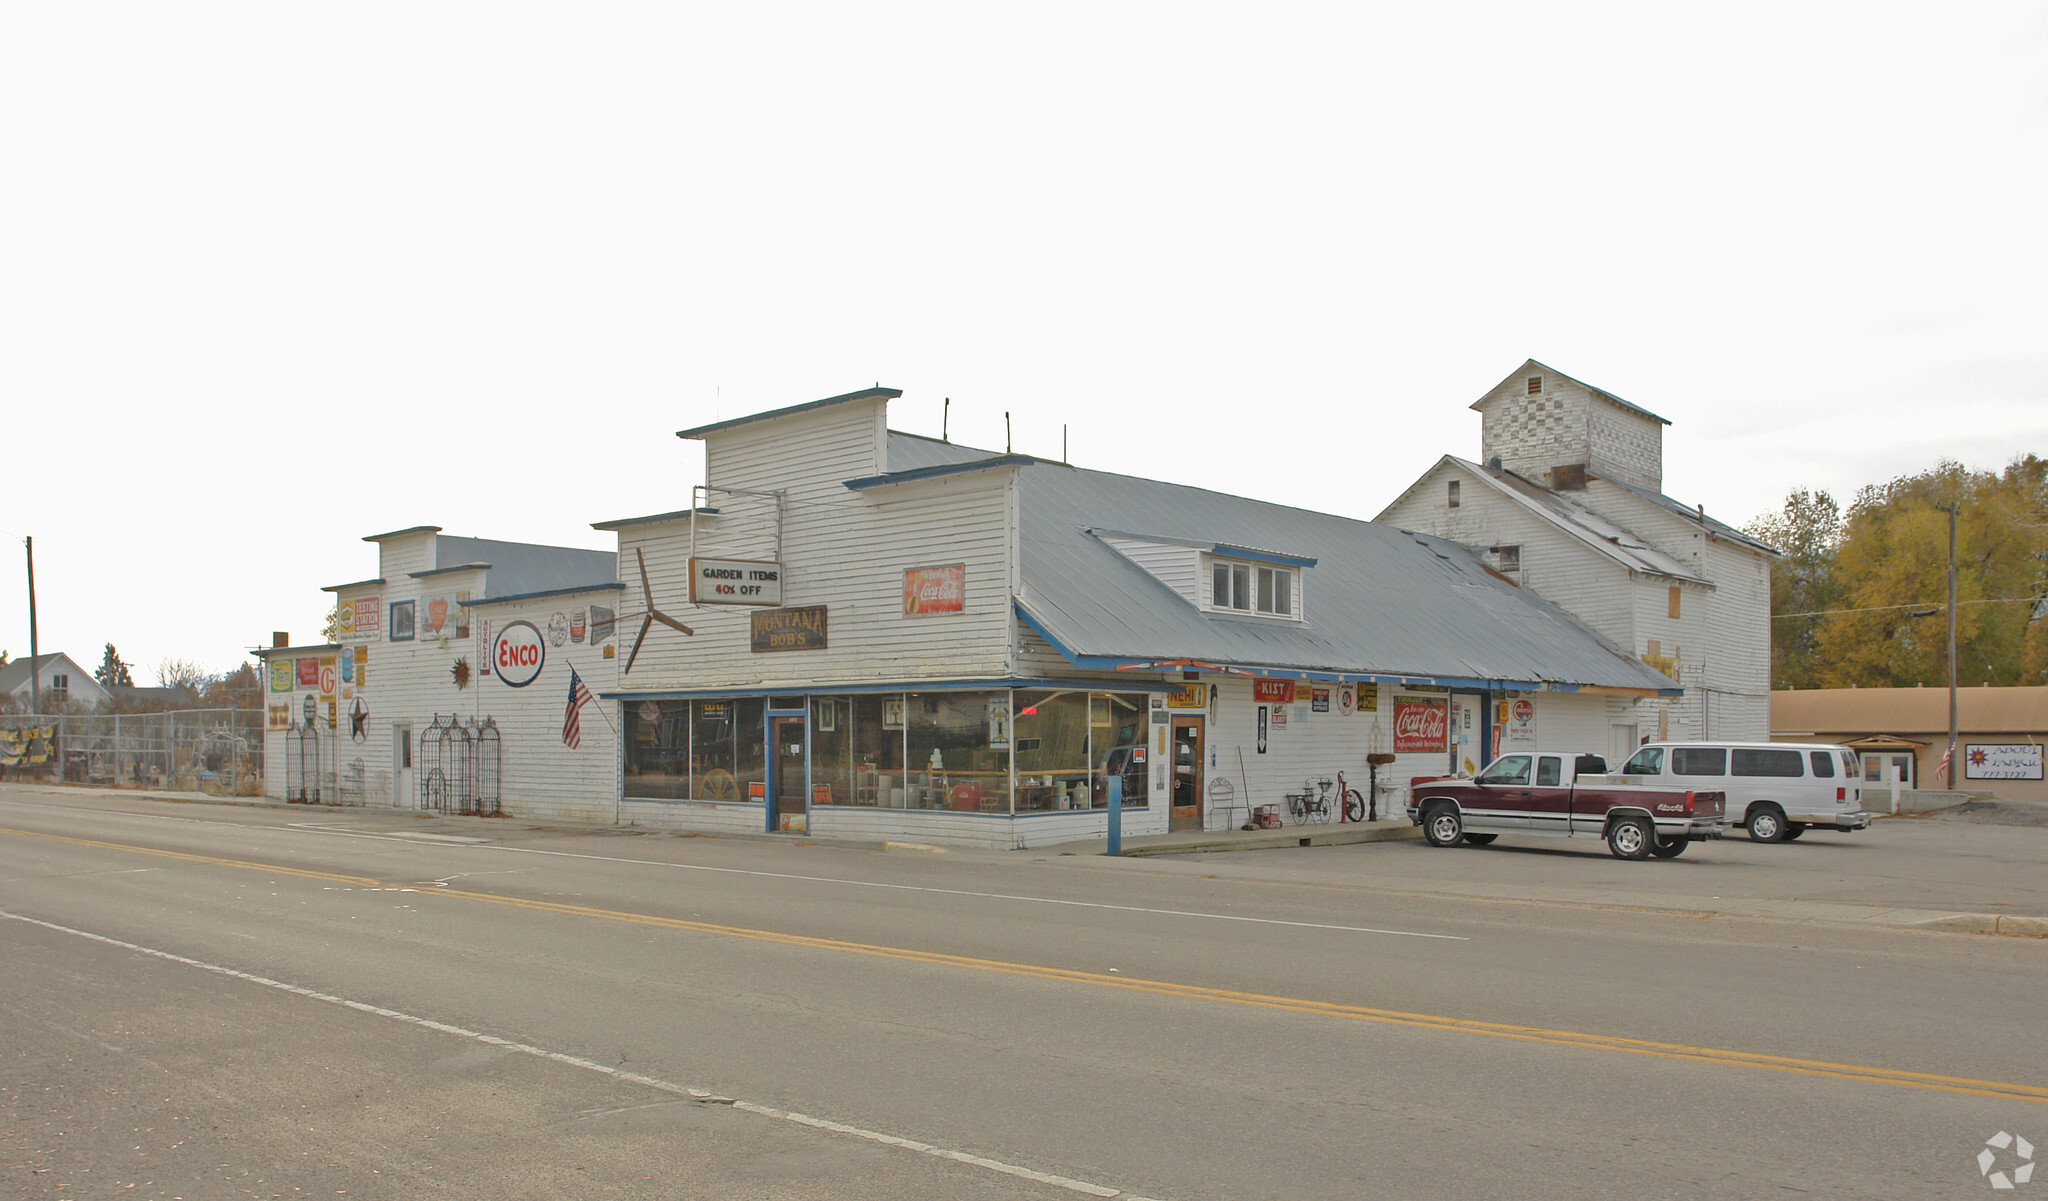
572,725
1942,767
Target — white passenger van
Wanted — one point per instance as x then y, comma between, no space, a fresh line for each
1775,789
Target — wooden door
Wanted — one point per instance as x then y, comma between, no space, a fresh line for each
1187,774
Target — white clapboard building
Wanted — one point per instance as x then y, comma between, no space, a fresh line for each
861,633
409,708
1567,501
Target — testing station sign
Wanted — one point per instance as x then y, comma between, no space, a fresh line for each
735,582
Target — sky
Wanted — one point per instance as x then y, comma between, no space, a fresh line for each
276,277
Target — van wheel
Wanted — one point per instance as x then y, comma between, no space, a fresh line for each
1443,827
1480,840
1767,824
1794,830
1630,838
1670,848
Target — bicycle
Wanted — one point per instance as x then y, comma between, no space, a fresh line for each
1312,803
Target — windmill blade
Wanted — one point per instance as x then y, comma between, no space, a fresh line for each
671,622
646,589
644,624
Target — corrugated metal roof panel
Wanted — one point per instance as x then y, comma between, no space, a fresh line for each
1379,600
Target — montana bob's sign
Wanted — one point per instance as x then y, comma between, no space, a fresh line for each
735,582
518,653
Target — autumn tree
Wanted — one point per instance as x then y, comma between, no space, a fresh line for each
1890,576
113,672
1808,532
237,689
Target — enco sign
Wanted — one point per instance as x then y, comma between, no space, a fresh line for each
518,653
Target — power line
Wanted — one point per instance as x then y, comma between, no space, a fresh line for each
1935,606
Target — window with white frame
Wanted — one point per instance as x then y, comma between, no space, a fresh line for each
1253,588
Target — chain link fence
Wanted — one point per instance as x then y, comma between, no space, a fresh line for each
216,751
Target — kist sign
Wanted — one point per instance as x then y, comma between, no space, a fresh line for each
518,653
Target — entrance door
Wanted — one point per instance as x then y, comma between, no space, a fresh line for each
786,808
1468,734
401,763
1187,774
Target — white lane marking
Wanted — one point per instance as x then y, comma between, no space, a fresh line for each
413,840
695,1094
950,892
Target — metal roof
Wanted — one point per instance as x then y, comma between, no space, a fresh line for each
1696,515
2019,710
519,568
1596,531
1379,601
1522,371
911,452
878,392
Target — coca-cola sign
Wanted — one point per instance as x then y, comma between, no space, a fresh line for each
928,590
1420,724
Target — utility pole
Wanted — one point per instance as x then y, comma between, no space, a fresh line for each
35,703
1950,509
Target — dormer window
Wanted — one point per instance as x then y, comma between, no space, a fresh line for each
1252,588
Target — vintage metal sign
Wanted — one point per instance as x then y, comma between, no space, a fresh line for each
929,590
1420,724
518,653
1273,692
1188,696
735,582
798,629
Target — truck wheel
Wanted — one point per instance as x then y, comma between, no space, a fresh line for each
1794,830
1670,848
1480,840
1630,838
1442,827
1766,824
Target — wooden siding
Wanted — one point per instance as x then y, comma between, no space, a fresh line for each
842,549
1177,567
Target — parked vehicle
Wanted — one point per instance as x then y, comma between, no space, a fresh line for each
1776,790
1562,794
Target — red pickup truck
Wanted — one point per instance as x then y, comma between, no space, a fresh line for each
1562,794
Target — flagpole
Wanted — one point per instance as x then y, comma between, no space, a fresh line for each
600,703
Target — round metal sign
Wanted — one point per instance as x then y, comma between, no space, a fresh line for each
518,653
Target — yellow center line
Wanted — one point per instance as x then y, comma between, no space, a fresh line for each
1425,1021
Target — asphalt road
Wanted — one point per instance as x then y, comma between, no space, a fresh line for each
209,1001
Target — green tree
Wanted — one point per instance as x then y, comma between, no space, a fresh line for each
1808,532
113,672
1891,571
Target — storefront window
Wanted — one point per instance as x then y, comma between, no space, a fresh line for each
711,777
878,750
1051,741
750,748
832,750
959,748
658,749
1119,723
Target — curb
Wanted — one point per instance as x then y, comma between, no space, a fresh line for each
1286,836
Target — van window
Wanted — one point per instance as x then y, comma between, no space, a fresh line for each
1699,761
1508,769
1754,762
1823,765
1647,762
1849,764
1549,771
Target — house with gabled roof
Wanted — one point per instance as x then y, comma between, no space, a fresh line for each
55,680
1567,502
